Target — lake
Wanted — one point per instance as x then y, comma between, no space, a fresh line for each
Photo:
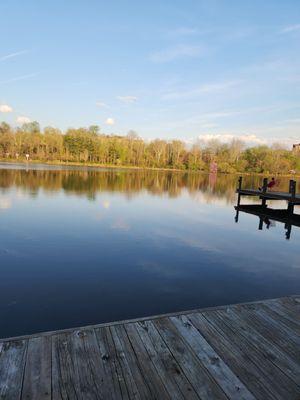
83,246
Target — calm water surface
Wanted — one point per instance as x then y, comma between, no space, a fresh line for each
85,246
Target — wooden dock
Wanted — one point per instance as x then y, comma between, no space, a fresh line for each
246,351
271,195
291,197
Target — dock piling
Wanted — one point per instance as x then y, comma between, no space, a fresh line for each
292,188
239,188
264,189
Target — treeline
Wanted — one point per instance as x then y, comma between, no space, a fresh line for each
89,145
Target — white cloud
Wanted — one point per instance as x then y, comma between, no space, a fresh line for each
291,28
127,99
101,104
12,55
177,52
110,121
228,137
23,120
4,108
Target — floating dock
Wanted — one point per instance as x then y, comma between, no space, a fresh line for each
246,351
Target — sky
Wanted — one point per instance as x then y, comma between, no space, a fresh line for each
166,69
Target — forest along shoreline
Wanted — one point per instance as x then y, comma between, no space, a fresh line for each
90,147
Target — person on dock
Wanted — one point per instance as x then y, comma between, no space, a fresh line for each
270,185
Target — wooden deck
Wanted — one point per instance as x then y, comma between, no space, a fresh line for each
245,351
271,195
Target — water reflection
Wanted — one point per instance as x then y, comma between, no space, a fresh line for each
268,217
87,246
88,182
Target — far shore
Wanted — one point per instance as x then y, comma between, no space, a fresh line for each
131,167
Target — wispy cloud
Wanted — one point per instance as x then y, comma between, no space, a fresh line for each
203,89
291,28
101,104
13,55
5,108
19,78
23,120
127,99
177,52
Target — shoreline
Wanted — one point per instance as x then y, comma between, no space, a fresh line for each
130,167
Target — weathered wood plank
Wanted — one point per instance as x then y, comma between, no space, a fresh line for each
264,361
132,388
12,363
140,379
237,360
113,377
203,383
272,330
154,381
289,306
280,318
267,347
65,378
226,379
37,377
284,315
272,318
167,378
77,367
172,368
92,377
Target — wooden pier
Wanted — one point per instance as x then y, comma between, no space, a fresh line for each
246,351
264,194
265,214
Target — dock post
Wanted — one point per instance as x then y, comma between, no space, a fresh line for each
292,188
239,188
292,191
264,189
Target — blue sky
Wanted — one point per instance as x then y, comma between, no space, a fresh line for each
168,69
